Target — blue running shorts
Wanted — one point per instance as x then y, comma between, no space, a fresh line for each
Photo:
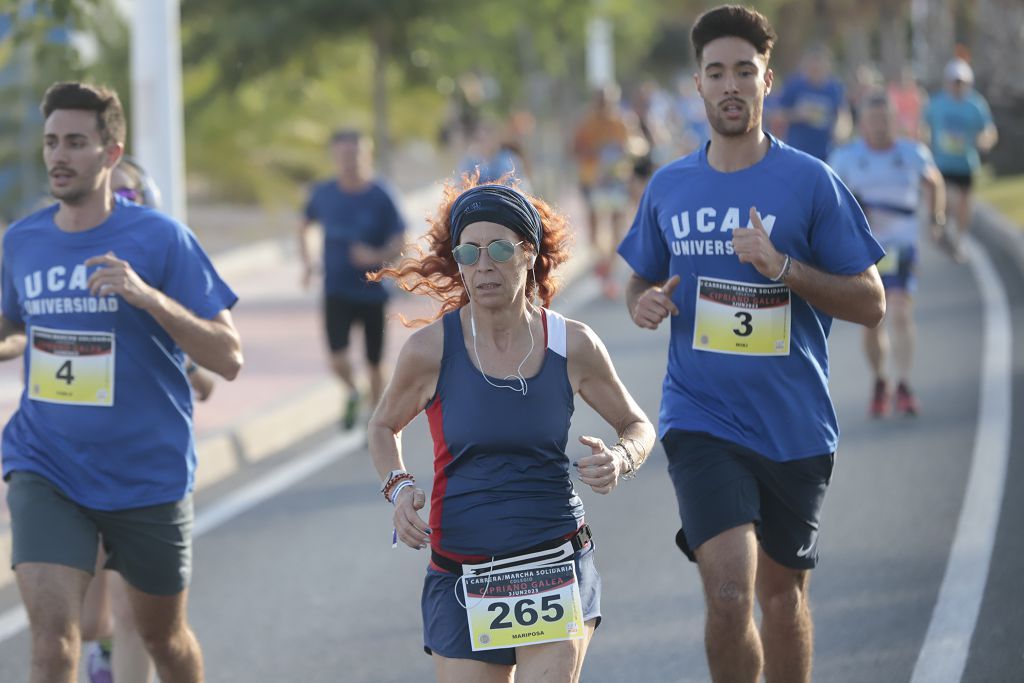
446,630
899,269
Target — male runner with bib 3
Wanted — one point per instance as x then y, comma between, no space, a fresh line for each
751,248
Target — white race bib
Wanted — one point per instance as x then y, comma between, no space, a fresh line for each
524,606
742,318
70,367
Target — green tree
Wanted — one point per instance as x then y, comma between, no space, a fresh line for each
36,49
254,37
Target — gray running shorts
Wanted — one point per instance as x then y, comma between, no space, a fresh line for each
721,485
151,547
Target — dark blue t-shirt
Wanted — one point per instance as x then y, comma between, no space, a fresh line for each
106,414
820,104
748,359
371,217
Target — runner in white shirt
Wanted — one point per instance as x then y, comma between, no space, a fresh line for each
889,176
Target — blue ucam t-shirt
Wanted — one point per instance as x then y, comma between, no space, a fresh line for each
748,359
955,125
818,106
106,413
370,216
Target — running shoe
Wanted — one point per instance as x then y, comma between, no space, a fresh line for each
906,402
98,664
881,399
348,419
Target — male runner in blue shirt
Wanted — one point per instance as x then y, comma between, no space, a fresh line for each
751,247
104,298
362,228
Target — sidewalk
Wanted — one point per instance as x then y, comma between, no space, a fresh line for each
285,392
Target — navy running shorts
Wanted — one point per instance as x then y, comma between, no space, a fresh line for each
445,627
964,181
721,485
898,268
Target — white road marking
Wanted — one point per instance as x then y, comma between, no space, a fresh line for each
944,653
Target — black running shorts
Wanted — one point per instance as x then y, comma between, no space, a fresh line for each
340,313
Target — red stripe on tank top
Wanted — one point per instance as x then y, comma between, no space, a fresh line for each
442,457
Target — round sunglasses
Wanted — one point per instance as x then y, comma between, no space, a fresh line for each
500,251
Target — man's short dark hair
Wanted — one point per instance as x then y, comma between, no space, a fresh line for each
347,135
103,101
733,21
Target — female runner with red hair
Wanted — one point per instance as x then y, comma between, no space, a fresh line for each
511,589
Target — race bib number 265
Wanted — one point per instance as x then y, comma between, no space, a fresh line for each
524,607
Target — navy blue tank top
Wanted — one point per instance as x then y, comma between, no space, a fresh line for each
501,474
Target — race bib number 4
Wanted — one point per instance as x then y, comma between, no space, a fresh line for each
73,368
524,606
742,318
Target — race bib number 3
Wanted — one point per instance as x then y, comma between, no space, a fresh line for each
524,607
74,368
742,318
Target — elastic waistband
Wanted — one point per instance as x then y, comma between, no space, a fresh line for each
578,541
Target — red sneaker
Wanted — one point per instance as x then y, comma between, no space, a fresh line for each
906,402
880,400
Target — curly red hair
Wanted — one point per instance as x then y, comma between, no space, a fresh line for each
433,270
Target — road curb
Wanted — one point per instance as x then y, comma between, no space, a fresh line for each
999,232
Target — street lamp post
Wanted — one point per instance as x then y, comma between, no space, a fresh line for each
157,116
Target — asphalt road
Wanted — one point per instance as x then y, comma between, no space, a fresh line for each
305,586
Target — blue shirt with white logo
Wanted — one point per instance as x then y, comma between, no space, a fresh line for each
371,217
131,443
776,405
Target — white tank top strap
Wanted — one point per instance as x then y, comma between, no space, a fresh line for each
556,331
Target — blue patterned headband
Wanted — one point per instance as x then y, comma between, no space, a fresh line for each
497,204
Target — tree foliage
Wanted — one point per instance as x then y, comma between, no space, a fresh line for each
266,81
